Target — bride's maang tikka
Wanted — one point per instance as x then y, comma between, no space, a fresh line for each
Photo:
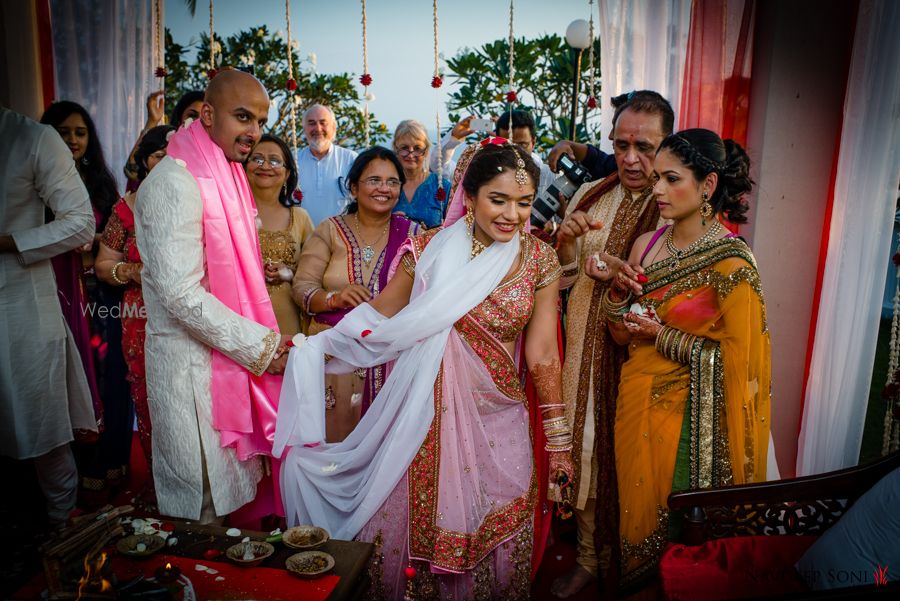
521,175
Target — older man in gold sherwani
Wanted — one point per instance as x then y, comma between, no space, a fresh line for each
604,216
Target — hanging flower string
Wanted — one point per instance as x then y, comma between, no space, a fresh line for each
212,45
291,82
366,78
511,96
291,88
160,61
436,82
891,391
592,98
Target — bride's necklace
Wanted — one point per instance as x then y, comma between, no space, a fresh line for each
368,251
679,254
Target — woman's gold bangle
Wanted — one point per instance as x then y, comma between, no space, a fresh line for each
115,274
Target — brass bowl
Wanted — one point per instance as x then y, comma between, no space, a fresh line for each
260,550
128,545
309,564
304,537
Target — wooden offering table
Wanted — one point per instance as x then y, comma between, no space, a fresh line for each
199,555
197,542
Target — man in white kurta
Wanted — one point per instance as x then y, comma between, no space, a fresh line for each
44,393
195,477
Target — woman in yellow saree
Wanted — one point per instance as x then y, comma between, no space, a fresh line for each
693,405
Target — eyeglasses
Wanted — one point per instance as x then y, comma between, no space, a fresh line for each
415,151
273,163
377,182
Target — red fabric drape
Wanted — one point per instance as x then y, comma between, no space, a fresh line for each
45,50
716,90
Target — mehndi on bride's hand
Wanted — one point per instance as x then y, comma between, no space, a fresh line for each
561,463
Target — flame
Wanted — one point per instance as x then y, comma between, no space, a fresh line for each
93,581
168,566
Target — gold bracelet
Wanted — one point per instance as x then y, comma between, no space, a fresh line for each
675,345
115,273
614,310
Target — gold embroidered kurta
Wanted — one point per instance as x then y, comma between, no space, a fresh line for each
619,211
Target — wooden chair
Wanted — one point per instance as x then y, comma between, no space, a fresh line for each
798,506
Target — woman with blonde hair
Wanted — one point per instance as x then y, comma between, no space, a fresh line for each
421,199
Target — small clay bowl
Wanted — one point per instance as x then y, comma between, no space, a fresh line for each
309,564
128,545
304,537
260,550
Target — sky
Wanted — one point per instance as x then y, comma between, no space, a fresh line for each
400,38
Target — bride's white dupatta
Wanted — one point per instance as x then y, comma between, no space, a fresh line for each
339,486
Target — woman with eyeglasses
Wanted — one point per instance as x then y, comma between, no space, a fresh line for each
119,264
420,200
344,264
283,226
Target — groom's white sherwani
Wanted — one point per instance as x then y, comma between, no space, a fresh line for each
184,323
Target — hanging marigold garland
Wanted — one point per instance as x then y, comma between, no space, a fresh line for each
366,78
891,391
160,41
592,98
436,82
212,45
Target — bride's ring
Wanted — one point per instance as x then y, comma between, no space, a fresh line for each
602,266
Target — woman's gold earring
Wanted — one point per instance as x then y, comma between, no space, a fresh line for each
706,209
470,219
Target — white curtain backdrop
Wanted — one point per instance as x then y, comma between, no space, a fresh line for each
643,44
865,194
104,58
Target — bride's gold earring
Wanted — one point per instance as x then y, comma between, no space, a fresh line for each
477,246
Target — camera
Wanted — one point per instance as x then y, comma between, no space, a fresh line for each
572,175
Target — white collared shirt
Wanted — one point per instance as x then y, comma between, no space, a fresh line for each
323,181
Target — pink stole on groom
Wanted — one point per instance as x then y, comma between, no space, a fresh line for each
244,406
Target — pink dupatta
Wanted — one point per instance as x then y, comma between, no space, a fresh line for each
244,406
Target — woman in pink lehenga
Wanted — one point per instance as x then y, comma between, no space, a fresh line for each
439,474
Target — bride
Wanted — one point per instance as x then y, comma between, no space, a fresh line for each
440,472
